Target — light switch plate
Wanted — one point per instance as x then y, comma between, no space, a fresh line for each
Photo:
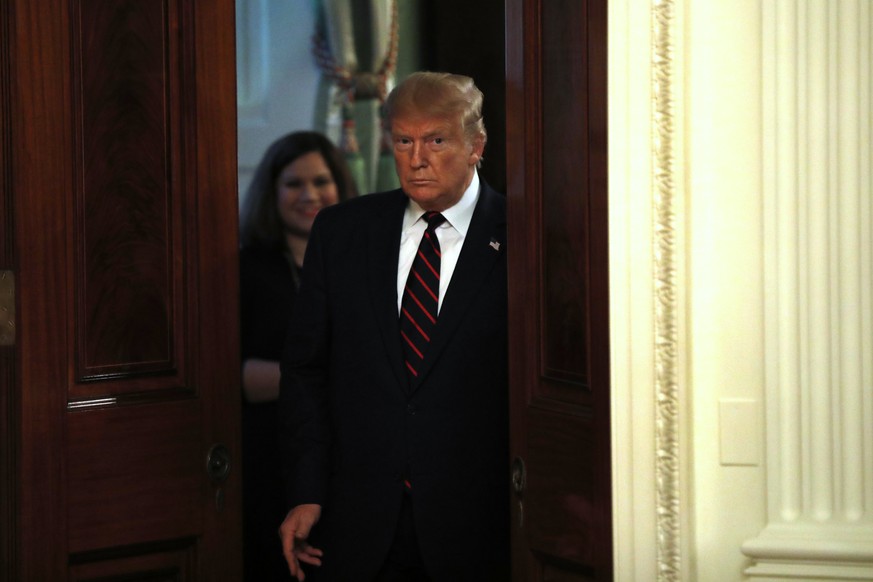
739,432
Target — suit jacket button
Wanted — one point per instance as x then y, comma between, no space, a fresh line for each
410,408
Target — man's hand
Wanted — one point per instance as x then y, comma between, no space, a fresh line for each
294,532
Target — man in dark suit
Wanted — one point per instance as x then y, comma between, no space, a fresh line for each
394,379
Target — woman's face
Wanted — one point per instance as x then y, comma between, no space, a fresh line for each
304,187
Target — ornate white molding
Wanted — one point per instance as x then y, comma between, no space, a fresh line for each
668,404
818,252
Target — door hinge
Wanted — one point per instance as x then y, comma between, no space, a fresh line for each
7,308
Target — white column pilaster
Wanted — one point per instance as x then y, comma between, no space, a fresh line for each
818,285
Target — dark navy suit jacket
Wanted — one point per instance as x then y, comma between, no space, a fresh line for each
353,425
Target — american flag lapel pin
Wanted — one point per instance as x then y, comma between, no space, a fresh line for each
494,244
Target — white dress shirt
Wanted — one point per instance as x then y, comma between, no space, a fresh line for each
450,233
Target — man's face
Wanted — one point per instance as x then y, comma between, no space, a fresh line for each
434,160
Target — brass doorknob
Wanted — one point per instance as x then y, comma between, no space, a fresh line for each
519,476
218,463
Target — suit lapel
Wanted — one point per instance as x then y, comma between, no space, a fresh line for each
383,240
484,245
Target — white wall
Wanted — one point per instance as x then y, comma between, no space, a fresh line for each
741,310
277,78
725,283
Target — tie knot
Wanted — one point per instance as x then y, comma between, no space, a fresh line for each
434,219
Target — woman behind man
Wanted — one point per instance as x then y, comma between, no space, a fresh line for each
300,174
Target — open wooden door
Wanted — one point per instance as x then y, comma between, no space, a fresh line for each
559,319
120,389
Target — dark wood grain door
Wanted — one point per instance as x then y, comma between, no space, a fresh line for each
121,392
559,316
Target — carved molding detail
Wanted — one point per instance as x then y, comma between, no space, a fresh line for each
667,403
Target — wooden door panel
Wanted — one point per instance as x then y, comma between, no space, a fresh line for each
560,482
136,457
564,196
129,95
172,563
559,574
559,334
123,190
135,474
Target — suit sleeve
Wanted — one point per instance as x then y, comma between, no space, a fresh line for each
305,429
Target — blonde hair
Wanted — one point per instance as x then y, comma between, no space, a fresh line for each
439,95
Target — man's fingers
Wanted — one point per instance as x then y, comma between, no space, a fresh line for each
306,553
302,552
294,531
296,550
288,550
308,559
293,566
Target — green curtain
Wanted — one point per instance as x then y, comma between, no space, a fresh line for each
355,46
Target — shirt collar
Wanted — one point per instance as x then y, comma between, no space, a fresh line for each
459,216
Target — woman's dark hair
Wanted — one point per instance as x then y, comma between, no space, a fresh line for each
260,223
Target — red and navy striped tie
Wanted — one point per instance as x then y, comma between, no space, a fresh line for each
418,311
